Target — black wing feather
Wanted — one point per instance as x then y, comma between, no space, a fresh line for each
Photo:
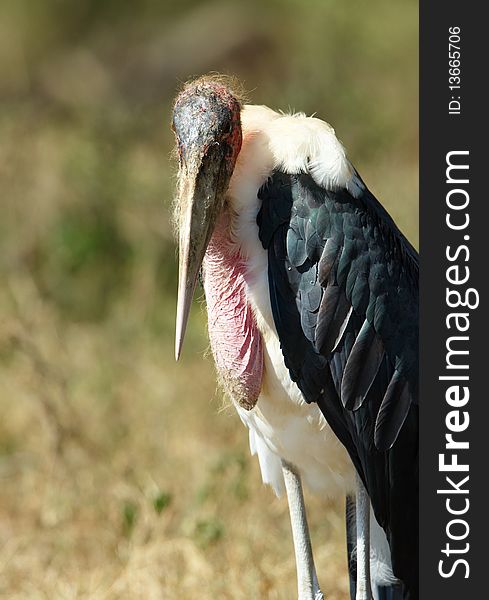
344,293
333,312
391,418
361,367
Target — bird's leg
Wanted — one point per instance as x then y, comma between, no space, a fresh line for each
364,590
307,581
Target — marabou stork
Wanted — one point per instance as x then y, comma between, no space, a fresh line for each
312,300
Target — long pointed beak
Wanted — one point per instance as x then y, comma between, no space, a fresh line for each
201,199
189,262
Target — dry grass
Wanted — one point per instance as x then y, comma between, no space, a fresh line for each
121,475
122,479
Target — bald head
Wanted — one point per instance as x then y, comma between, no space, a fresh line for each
207,113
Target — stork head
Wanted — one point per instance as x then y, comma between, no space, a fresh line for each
206,122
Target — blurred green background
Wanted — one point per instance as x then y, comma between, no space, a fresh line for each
122,474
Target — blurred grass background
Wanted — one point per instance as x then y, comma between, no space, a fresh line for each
120,474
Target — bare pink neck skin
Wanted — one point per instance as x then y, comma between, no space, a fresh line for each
236,342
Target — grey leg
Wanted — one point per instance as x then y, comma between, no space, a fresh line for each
307,581
364,590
